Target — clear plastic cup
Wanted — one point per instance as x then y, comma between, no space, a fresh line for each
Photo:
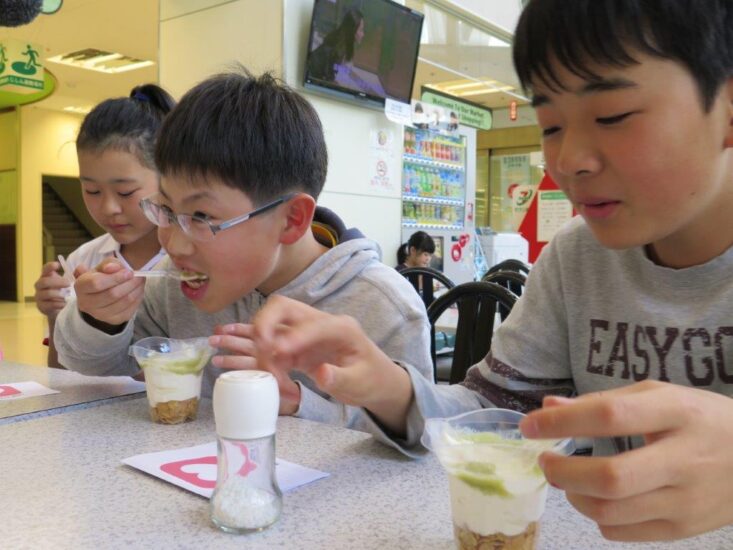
497,488
173,371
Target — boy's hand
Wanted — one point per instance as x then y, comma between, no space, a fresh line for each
677,485
237,339
334,351
49,298
109,293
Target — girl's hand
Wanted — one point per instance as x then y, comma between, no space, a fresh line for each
677,485
49,297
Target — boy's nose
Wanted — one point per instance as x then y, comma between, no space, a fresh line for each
577,155
175,241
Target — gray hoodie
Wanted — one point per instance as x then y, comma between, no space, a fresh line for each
349,279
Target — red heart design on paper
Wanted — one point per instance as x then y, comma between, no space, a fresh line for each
176,469
7,391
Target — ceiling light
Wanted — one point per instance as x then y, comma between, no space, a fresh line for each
78,110
101,61
486,91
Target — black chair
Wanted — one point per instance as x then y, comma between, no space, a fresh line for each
423,279
509,265
478,304
513,281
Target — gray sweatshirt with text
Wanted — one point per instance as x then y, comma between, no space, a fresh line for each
593,319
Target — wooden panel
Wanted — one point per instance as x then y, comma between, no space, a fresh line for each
8,286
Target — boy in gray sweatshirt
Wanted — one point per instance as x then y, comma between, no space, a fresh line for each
629,307
242,162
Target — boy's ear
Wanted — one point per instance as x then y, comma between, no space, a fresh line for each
298,217
729,134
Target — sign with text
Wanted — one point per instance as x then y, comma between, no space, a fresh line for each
553,211
21,70
470,114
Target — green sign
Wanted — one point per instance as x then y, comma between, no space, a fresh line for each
21,71
470,114
23,78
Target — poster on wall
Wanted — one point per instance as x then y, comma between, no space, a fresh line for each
553,210
382,175
516,184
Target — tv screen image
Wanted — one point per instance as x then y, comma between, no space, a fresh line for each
363,48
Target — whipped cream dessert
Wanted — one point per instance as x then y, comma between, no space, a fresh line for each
497,489
173,384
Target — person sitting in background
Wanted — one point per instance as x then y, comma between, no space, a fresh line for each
416,252
242,162
115,149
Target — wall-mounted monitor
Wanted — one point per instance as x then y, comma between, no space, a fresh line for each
363,49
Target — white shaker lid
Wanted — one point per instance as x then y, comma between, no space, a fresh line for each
246,403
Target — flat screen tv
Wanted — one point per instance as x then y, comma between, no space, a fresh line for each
363,49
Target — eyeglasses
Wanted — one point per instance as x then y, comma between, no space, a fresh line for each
198,227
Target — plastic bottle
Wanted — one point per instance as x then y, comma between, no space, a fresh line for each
247,497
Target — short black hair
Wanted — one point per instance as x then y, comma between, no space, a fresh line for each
254,134
128,124
579,33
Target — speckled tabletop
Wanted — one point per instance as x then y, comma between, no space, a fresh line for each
63,486
75,391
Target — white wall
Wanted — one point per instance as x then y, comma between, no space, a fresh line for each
48,146
200,38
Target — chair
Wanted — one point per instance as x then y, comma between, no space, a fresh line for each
513,281
478,304
509,265
423,279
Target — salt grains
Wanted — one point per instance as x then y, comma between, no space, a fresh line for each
239,505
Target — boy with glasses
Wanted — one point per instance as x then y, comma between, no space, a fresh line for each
242,162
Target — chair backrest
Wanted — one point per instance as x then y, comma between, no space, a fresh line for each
513,281
423,279
509,265
477,303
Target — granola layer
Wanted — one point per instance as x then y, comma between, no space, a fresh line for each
175,412
468,540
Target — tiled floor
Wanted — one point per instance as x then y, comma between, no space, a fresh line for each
22,329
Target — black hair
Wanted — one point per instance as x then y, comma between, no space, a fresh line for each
127,123
341,39
420,241
698,34
252,133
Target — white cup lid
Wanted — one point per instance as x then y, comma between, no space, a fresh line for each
246,404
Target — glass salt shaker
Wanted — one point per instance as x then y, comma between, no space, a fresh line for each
247,497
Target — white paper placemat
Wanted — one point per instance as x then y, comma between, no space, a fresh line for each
194,469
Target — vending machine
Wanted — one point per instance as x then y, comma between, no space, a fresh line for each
438,195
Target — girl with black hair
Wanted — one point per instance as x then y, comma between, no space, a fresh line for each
337,48
115,149
416,252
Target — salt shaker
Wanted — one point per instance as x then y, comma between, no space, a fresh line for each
247,497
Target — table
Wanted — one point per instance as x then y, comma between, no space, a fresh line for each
64,487
76,390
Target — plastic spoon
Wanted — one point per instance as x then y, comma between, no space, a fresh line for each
180,275
68,276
